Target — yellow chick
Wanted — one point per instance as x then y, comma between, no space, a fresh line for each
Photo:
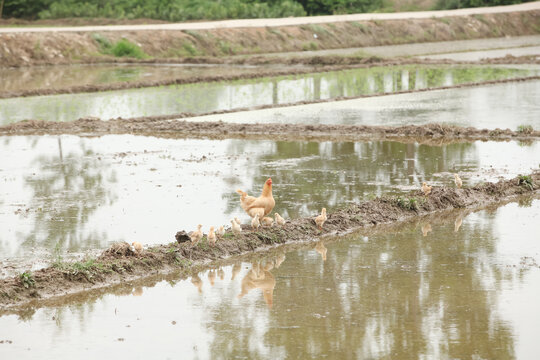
321,219
237,221
426,189
236,227
255,223
211,236
267,221
458,181
279,220
196,235
220,232
137,246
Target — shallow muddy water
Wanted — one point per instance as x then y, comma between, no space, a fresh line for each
207,97
494,106
467,289
72,194
63,76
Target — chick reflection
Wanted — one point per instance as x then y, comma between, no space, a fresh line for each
457,223
221,274
212,277
321,249
196,280
259,277
138,291
236,269
426,228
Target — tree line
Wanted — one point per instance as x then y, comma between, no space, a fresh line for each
181,10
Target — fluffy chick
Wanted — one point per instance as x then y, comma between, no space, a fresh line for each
321,219
255,223
196,235
236,227
267,221
458,181
137,246
426,189
220,232
211,236
279,220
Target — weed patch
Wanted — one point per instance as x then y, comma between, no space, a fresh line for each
27,279
525,129
525,181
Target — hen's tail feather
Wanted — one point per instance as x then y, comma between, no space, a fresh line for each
243,194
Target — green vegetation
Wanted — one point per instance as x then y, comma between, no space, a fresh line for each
310,46
458,4
181,10
27,279
122,48
525,129
171,10
526,181
87,268
407,203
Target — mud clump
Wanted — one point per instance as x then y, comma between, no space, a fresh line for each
119,249
120,264
182,237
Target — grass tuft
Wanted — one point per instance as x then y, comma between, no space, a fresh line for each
525,129
27,279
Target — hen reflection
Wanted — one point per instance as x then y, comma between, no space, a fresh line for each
259,277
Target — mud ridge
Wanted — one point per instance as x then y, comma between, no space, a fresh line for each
119,264
435,134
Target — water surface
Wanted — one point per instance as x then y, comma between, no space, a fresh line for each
62,76
465,292
208,97
79,194
503,106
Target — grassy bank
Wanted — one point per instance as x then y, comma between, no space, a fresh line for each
23,49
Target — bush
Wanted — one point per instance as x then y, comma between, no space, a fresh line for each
126,48
458,4
173,10
122,48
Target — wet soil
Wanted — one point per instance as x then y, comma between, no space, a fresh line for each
26,49
120,264
306,65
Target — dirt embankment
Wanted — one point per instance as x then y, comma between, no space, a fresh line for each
170,126
119,263
24,49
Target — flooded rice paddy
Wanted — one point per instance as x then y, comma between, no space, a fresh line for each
503,106
466,288
71,194
63,76
208,97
